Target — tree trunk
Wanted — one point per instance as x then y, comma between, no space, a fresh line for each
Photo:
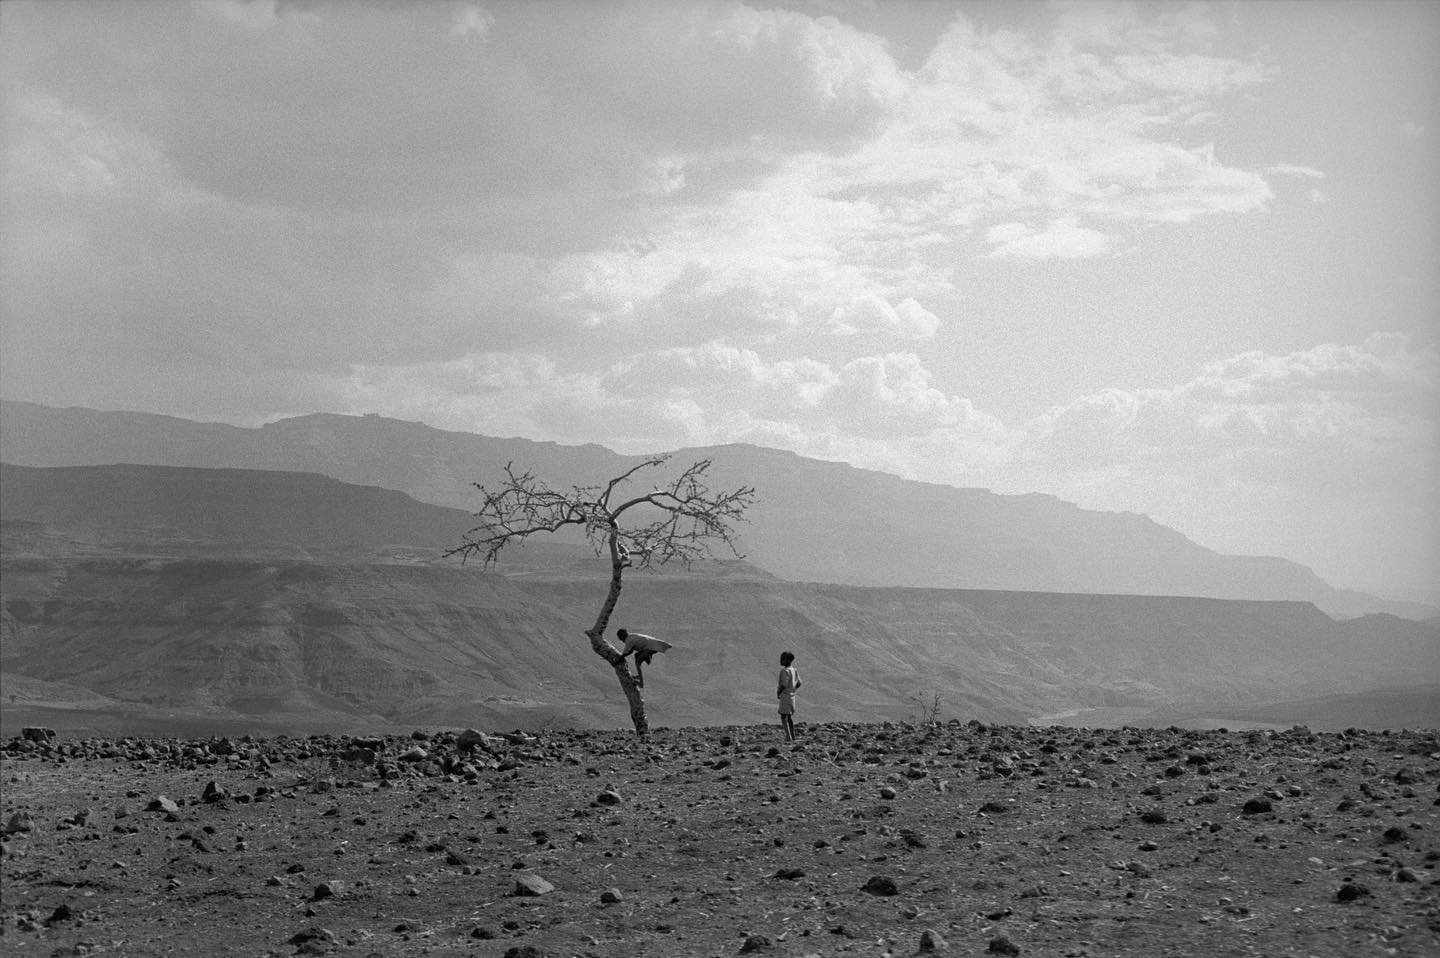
612,655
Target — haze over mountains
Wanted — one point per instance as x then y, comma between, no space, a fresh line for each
814,521
140,595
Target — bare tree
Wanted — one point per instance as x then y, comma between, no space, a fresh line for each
681,520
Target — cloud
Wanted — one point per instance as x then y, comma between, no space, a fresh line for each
471,21
255,15
1290,169
1331,416
1061,239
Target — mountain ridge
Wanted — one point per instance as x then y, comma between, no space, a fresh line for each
870,528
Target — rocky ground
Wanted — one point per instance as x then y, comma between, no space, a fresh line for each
859,840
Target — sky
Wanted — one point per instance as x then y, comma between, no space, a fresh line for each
1172,259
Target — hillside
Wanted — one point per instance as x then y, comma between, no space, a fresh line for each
867,528
277,643
239,511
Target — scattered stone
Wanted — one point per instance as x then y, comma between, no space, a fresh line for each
1351,891
880,885
531,885
524,951
21,821
328,889
931,941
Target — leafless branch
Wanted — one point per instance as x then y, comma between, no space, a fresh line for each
682,520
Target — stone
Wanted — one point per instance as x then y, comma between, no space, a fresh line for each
471,739
880,885
524,951
328,889
1351,891
932,941
20,822
531,886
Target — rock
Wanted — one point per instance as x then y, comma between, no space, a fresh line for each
931,940
328,889
415,754
20,822
524,951
312,934
790,874
887,793
880,885
1002,946
755,943
214,792
1351,891
611,896
531,886
162,804
1257,806
608,797
35,733
471,739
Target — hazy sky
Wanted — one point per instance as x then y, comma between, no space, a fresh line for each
1172,259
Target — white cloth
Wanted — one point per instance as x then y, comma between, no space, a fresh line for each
640,642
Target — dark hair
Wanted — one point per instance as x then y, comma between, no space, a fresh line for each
621,633
787,657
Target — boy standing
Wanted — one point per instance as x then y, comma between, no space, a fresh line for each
786,686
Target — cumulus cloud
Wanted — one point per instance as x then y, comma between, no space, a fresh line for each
1375,407
1061,239
471,22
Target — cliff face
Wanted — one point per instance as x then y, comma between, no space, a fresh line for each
399,644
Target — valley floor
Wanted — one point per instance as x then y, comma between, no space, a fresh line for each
864,840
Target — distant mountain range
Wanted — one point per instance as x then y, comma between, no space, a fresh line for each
814,521
155,597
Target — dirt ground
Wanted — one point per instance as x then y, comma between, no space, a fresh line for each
858,840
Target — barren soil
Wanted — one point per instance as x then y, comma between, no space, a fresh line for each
859,840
